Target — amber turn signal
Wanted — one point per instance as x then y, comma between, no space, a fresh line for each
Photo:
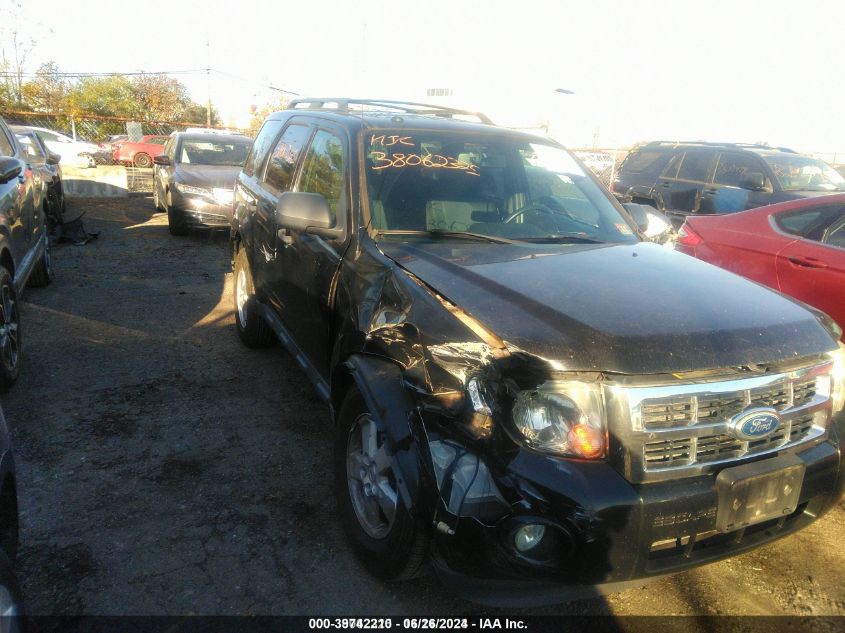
586,441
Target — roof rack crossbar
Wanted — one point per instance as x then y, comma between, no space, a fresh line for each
410,107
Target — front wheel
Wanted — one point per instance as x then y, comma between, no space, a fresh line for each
176,220
10,333
252,329
88,158
390,543
42,274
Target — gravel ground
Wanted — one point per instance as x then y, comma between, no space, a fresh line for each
165,469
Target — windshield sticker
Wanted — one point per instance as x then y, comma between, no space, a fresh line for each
624,228
399,160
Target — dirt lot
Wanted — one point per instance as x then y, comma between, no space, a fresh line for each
165,469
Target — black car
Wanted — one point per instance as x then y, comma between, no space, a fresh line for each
24,246
706,178
521,393
46,166
195,176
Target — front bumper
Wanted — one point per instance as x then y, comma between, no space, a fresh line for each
203,212
612,534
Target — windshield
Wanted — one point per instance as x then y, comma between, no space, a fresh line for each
209,152
491,185
796,172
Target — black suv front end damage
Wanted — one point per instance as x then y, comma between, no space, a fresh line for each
520,386
510,524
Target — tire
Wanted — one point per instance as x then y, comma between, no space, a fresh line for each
42,274
90,159
156,201
252,329
11,599
142,160
391,548
10,333
177,223
56,206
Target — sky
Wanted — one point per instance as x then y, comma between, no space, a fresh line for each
639,70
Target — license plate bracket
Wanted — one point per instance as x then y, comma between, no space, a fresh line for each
757,492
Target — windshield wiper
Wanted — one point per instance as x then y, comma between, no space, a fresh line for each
561,238
478,237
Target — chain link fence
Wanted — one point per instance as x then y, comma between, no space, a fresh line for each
101,130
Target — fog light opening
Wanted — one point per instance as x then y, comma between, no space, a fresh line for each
528,537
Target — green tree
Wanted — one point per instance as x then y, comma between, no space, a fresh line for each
110,96
258,114
48,92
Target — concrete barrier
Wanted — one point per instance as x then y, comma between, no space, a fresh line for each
102,181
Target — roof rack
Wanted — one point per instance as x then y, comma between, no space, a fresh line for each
712,144
409,107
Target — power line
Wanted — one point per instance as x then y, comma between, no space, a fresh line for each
105,74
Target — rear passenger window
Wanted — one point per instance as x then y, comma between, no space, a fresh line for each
809,223
263,143
279,174
323,171
695,166
671,170
5,144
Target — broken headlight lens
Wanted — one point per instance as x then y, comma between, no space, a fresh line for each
565,418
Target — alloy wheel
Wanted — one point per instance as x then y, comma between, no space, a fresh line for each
369,474
9,323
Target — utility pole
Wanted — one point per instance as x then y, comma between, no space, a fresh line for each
208,83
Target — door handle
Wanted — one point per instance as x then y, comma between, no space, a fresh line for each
806,262
665,185
711,192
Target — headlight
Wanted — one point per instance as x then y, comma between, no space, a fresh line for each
838,379
223,196
193,191
565,418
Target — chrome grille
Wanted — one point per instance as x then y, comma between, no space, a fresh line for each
679,430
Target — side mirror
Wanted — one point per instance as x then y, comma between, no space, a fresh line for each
755,181
53,158
306,212
9,168
161,159
638,213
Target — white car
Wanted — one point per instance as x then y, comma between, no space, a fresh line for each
76,153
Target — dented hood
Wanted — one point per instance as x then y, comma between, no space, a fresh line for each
626,308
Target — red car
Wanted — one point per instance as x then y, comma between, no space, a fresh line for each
797,247
140,154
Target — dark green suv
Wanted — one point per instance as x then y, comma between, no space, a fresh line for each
681,179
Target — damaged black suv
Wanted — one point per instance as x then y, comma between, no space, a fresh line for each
525,393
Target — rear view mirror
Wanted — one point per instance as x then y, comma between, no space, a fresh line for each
639,214
755,181
9,168
161,159
305,212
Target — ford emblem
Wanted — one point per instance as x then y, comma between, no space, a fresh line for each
755,424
